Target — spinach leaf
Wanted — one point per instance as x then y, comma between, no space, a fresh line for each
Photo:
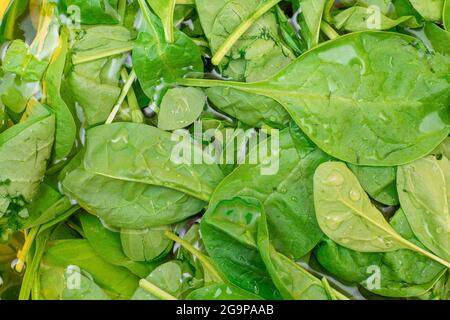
229,232
65,124
251,109
145,245
20,61
293,281
24,151
362,19
117,281
126,204
180,107
259,52
287,196
148,151
96,108
87,290
438,38
159,63
401,273
378,182
101,42
314,92
446,15
311,18
92,11
346,215
98,60
172,278
107,244
431,10
429,217
165,10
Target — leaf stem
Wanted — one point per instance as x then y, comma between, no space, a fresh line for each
122,10
168,23
427,254
77,58
328,288
122,96
399,238
207,83
328,30
22,253
154,290
136,113
240,30
206,262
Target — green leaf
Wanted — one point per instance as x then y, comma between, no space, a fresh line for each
286,196
96,107
92,11
66,129
438,38
145,244
383,117
117,281
446,15
180,107
229,233
361,19
378,182
293,281
20,61
346,215
126,204
311,18
173,278
87,290
424,191
253,110
259,52
401,273
148,152
24,151
165,10
101,42
431,10
107,244
159,63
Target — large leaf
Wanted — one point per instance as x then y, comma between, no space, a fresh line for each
127,204
141,153
346,215
424,191
24,151
66,129
107,244
118,281
400,273
286,195
229,232
365,98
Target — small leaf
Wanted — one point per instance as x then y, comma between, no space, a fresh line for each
180,107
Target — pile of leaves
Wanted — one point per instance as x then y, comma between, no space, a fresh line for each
92,94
